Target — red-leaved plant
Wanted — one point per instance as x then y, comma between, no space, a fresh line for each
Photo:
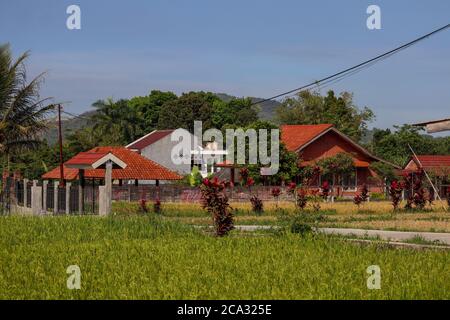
325,190
357,199
243,175
215,201
257,204
291,187
395,191
143,206
364,193
157,206
448,198
302,198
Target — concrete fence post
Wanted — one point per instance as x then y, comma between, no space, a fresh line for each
36,199
102,201
55,197
25,192
68,185
44,196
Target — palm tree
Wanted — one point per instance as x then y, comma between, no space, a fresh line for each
23,114
117,121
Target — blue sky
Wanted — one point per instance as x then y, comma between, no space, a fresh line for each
244,48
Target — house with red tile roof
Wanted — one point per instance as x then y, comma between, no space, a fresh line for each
315,142
437,167
157,146
135,168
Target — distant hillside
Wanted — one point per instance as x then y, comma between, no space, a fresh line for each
69,125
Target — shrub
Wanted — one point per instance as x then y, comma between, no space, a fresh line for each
395,191
448,198
304,222
143,206
358,199
302,198
276,192
215,201
157,206
257,204
364,193
315,198
291,187
377,196
325,190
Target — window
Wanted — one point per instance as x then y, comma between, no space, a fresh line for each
348,181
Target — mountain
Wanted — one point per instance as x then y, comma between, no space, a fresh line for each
68,126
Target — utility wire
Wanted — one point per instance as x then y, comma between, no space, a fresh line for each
358,67
76,116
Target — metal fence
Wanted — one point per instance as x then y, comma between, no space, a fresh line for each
179,193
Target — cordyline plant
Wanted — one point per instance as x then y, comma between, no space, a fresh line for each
325,190
157,206
362,197
143,206
364,193
257,204
395,191
358,200
276,195
302,198
315,198
414,182
215,201
448,198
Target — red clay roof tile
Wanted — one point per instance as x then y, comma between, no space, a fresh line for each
296,136
137,167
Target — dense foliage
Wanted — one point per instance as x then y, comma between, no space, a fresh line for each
312,108
23,112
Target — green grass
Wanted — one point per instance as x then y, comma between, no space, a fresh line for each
147,258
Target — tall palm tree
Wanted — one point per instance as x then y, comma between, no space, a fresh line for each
23,114
117,121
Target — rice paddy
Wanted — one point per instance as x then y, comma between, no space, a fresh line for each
149,257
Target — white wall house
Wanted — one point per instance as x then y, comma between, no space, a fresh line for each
157,146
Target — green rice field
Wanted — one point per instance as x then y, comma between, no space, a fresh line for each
144,257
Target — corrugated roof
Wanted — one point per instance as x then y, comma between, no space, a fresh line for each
296,136
148,139
137,167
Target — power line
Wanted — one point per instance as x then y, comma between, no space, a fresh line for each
76,116
359,67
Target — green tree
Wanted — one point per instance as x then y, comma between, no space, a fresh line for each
312,108
288,161
149,107
182,113
238,112
23,112
393,146
117,122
